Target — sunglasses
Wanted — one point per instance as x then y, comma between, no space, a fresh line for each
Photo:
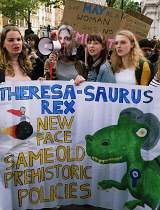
147,50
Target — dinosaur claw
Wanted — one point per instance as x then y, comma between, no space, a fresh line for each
125,207
100,188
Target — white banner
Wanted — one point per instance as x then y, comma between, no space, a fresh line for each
95,144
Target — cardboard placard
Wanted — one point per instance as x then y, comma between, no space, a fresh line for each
137,23
86,18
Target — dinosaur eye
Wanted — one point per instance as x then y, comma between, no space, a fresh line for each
141,132
105,143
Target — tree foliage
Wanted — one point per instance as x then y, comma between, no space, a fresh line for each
55,3
126,3
18,9
110,3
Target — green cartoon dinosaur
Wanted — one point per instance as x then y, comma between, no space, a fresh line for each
122,143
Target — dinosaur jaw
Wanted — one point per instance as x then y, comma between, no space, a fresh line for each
110,160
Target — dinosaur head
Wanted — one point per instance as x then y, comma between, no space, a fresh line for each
115,143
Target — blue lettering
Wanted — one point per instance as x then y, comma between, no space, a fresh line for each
102,9
122,95
101,92
16,93
3,93
57,92
32,92
88,93
44,91
147,96
69,91
111,97
69,107
56,107
44,107
23,91
88,8
94,10
134,99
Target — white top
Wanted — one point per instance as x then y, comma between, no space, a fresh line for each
126,76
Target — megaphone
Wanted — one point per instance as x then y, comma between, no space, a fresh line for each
46,46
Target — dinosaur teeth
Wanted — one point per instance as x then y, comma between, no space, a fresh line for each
104,161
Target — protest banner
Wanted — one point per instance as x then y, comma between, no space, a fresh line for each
60,141
137,23
86,18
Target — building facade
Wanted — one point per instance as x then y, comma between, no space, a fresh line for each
45,16
151,8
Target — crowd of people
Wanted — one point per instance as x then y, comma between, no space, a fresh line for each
131,62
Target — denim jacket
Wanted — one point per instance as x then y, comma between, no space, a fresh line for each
105,73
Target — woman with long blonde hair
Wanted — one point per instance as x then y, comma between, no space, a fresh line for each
127,60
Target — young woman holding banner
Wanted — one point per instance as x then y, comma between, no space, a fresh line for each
128,63
98,67
65,64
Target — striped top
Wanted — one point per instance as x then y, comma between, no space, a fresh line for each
154,82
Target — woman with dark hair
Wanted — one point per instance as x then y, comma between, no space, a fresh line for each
14,62
35,56
98,67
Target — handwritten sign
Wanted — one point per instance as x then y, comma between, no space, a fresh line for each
137,23
86,18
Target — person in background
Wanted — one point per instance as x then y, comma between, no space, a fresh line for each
66,64
98,67
81,52
154,58
53,35
146,47
14,62
154,37
127,60
109,55
27,32
156,80
153,42
35,56
10,24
